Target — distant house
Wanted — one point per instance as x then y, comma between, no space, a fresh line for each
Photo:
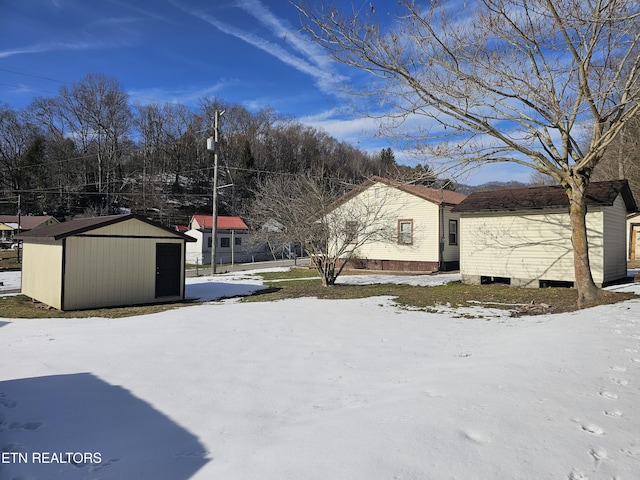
232,237
11,225
6,232
523,236
425,231
106,261
633,235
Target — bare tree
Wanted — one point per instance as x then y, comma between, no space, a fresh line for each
622,159
302,209
499,81
97,114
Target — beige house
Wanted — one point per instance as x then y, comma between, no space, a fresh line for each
423,229
11,225
523,236
106,261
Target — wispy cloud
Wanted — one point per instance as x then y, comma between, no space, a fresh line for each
282,30
311,62
49,47
189,96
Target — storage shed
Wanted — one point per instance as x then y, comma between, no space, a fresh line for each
523,236
106,261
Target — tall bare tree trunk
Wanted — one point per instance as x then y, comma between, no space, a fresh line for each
588,292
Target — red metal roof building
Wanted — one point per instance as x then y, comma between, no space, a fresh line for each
224,222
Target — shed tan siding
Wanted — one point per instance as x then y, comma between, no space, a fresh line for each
113,265
527,246
42,272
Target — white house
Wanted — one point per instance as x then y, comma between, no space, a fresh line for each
424,229
523,236
232,240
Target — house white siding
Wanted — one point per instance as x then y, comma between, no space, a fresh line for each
429,222
198,252
232,247
529,246
614,228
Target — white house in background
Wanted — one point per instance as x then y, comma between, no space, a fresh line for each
232,240
633,235
425,230
523,236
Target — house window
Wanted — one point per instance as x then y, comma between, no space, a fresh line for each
351,232
209,242
453,232
237,241
405,232
225,242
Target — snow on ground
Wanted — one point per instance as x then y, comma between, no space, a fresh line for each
319,389
9,280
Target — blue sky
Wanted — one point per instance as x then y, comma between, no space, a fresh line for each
249,52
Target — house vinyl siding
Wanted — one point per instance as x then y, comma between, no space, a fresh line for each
395,207
38,258
531,246
400,205
520,245
614,228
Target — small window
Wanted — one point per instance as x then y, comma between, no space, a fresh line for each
225,242
238,241
453,232
209,242
351,232
405,232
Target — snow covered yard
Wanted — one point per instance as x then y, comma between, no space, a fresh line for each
318,389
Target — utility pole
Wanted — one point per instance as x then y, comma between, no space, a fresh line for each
212,144
19,226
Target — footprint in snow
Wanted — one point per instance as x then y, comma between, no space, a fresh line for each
593,429
599,454
476,437
25,426
615,413
609,395
5,402
619,381
577,475
617,368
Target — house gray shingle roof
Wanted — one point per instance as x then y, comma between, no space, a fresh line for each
545,197
82,225
27,222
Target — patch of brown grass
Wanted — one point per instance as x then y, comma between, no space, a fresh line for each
454,294
21,306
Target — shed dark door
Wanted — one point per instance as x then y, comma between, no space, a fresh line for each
168,268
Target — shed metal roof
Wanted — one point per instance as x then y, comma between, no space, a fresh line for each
82,225
545,197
